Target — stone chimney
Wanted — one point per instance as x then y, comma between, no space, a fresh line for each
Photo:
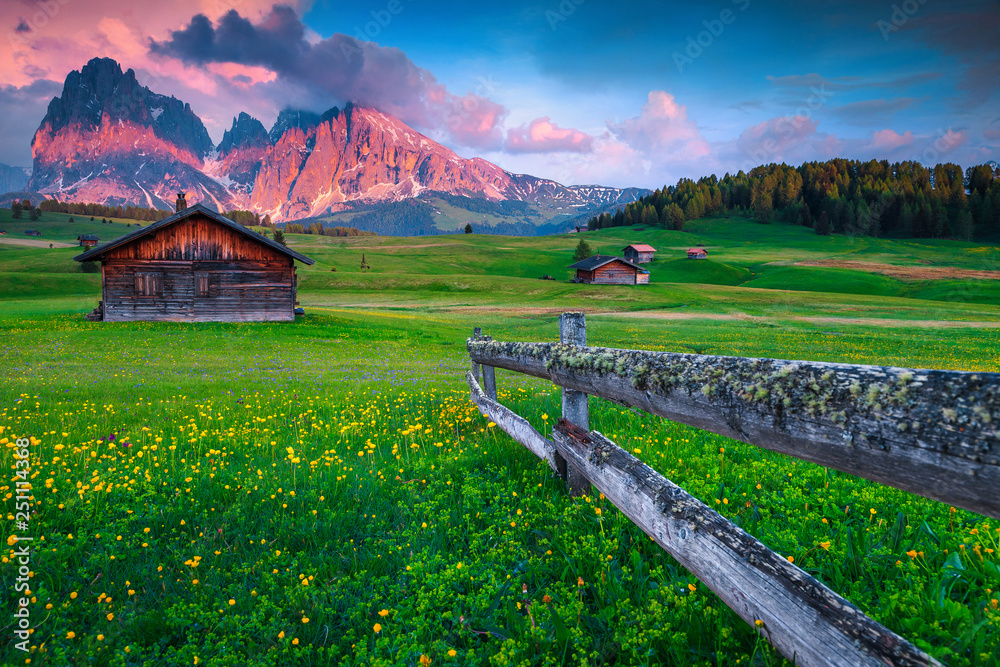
181,201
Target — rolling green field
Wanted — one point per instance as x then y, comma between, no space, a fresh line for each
323,492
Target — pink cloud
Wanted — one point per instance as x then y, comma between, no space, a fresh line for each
662,127
242,75
543,136
890,140
336,70
788,139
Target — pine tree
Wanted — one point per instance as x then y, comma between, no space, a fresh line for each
823,224
963,226
468,228
806,216
583,251
15,210
676,216
279,237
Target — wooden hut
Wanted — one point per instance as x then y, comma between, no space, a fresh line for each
87,240
195,266
32,232
608,270
697,253
639,253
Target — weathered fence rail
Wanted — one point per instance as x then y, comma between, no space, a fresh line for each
930,432
933,433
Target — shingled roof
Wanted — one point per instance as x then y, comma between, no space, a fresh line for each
597,261
640,247
199,209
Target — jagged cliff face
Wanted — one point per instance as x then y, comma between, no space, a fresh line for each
241,153
362,154
107,139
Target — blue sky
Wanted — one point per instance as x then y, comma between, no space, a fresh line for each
634,93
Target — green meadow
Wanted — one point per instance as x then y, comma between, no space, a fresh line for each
323,492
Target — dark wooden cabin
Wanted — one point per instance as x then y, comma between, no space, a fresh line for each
32,232
639,253
697,253
195,266
608,270
88,240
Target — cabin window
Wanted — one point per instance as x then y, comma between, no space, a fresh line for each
201,284
149,284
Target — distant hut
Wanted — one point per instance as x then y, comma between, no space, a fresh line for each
639,253
697,253
87,240
608,270
195,266
32,232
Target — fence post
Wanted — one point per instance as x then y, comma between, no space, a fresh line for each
477,332
489,374
575,405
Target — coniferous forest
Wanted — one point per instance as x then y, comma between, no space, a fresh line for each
873,198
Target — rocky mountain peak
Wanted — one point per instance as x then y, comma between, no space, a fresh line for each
101,89
246,132
109,139
293,118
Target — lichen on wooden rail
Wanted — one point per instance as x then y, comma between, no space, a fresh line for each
930,432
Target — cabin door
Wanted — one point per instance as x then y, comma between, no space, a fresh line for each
200,293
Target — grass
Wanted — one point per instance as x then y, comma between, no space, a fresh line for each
323,492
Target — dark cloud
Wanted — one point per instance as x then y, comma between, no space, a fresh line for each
800,82
873,112
341,68
22,26
749,105
21,108
971,37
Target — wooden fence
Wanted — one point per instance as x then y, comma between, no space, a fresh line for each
934,433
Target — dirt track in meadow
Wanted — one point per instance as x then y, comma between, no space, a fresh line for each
35,243
826,321
904,272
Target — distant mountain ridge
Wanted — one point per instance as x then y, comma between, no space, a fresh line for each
13,179
109,140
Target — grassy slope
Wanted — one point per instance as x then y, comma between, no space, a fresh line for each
392,340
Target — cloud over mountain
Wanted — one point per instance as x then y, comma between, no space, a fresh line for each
340,68
543,136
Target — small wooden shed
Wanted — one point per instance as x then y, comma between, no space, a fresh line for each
32,232
639,253
697,253
195,266
88,240
609,270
